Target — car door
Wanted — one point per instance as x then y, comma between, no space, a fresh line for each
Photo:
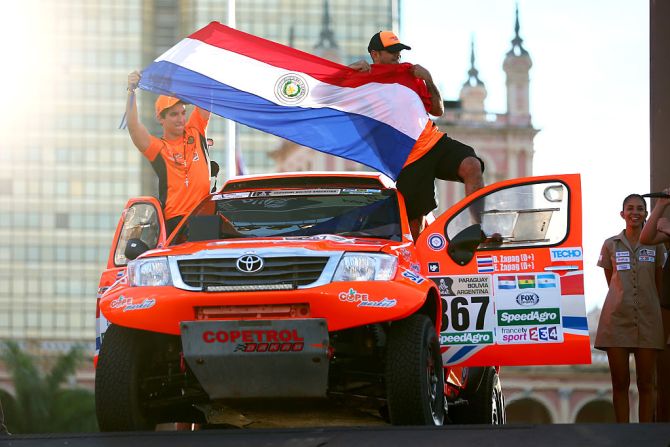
508,263
141,219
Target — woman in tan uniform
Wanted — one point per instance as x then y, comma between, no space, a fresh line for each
630,321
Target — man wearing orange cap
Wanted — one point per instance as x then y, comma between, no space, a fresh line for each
434,155
180,157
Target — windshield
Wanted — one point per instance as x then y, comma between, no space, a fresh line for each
295,213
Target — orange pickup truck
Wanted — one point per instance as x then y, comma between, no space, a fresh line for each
304,288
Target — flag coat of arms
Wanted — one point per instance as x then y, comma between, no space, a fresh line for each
546,281
526,281
373,118
507,282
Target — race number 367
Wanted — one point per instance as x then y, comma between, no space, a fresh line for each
472,313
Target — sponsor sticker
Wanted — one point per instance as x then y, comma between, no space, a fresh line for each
527,299
648,252
413,276
566,254
436,241
433,267
467,338
294,192
620,267
622,253
529,317
529,335
621,259
647,258
363,300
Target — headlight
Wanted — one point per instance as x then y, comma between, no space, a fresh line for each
366,267
149,272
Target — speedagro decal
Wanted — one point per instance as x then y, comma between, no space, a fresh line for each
467,338
527,317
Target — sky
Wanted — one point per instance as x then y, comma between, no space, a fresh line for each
589,91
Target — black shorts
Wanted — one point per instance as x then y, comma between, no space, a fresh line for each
416,181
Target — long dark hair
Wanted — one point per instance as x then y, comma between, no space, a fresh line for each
631,196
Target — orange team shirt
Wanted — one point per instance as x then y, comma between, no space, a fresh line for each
182,167
430,134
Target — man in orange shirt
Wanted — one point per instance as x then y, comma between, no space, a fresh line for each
180,157
434,155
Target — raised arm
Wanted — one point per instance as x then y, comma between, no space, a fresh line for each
436,104
656,228
138,133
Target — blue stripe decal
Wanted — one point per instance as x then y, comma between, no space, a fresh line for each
575,323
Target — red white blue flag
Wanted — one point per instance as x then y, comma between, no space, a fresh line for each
373,118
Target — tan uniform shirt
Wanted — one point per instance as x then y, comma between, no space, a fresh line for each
631,315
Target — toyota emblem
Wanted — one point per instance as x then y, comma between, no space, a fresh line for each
249,263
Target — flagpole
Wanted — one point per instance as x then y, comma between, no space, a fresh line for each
231,164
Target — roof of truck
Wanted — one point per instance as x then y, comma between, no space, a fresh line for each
309,179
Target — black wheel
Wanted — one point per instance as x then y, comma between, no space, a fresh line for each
122,363
414,373
485,401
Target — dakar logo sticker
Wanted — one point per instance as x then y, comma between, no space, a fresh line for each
291,88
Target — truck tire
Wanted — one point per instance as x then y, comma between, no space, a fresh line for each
121,365
414,373
485,404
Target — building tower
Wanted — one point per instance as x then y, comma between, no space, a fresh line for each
473,92
517,64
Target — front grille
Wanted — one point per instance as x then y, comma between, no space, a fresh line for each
293,271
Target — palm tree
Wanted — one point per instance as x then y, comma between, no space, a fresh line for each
40,404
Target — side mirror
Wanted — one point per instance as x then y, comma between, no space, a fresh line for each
462,247
134,248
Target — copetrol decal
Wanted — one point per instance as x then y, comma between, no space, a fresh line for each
527,317
566,254
252,335
413,276
527,299
436,242
363,300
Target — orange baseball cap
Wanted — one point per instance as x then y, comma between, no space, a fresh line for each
165,102
386,40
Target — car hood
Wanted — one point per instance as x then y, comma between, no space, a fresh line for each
316,243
